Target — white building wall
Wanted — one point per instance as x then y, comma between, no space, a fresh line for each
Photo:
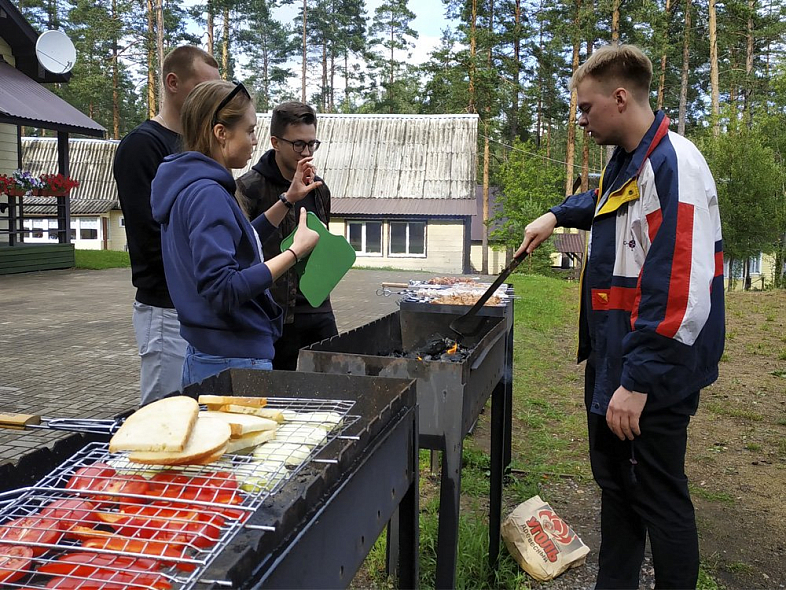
444,247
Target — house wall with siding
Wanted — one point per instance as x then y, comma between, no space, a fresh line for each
496,259
117,233
444,248
8,151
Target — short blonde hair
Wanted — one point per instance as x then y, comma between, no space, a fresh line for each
198,111
618,65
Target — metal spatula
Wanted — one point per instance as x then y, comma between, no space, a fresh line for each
470,324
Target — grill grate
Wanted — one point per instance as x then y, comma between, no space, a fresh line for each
97,512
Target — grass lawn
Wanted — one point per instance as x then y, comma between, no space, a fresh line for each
101,259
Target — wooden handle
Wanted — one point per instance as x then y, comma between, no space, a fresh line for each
18,421
396,285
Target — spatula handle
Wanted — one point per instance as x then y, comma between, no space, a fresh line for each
18,421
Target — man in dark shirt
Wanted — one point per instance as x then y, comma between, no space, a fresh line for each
161,348
293,135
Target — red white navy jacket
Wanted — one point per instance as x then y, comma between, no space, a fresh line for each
652,306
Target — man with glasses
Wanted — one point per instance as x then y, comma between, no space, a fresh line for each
293,136
161,348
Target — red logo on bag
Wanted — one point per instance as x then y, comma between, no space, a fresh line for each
542,539
556,527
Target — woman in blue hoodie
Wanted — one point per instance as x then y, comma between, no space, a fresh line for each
212,253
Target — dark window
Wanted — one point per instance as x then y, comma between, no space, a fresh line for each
88,234
408,238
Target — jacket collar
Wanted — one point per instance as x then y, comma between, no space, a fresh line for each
657,131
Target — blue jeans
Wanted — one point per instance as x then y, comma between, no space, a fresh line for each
198,366
161,351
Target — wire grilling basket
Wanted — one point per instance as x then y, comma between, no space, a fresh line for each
99,521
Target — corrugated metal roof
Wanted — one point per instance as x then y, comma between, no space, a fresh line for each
569,243
413,207
90,162
23,101
46,206
391,156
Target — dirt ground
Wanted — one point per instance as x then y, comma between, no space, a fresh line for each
736,459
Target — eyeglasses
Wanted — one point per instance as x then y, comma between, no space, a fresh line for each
299,145
227,99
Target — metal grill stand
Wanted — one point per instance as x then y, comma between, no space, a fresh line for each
450,395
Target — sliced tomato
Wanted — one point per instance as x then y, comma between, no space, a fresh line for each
14,562
90,477
122,485
111,569
32,529
71,512
219,487
166,551
83,532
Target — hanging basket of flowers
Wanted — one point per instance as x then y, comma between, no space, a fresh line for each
57,185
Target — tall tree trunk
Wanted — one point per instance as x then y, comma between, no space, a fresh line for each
514,114
714,86
539,124
331,98
323,93
390,79
303,75
211,26
662,80
748,110
152,77
585,150
615,22
160,41
225,45
115,78
486,150
472,53
485,243
347,99
685,70
570,150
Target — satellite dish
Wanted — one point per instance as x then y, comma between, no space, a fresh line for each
55,52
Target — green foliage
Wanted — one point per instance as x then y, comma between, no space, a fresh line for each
749,181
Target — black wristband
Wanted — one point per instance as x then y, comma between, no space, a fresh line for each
293,254
283,198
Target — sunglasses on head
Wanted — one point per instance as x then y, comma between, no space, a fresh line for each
227,99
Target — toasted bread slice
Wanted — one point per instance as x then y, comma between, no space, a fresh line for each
242,423
254,402
214,457
208,436
249,441
164,425
269,413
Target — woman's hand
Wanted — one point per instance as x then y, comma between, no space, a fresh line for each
305,238
303,181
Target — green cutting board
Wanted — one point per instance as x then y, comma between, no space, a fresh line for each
327,264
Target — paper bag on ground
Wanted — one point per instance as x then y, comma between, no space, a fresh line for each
540,541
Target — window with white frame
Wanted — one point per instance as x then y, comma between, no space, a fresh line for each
407,238
365,237
88,228
738,269
53,229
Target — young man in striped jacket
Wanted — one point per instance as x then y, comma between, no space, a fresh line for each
651,320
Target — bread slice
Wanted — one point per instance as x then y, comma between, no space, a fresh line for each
163,425
254,402
212,458
269,413
242,423
208,436
249,441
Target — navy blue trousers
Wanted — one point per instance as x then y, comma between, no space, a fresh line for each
644,491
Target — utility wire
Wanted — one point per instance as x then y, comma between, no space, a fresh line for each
515,149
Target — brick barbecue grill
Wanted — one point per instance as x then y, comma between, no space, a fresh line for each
450,396
281,535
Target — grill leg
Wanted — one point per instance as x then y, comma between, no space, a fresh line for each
449,506
507,379
498,399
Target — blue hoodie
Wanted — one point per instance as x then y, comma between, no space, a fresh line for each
212,261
